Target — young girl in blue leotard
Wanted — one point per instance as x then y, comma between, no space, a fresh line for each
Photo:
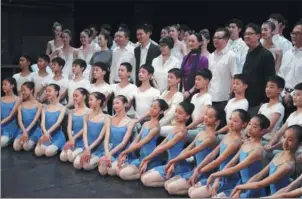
74,146
146,142
29,112
93,133
174,144
9,107
202,145
118,133
53,138
224,152
276,175
248,161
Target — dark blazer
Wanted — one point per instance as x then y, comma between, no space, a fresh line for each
153,52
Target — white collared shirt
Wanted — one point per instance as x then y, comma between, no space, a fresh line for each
281,42
161,70
291,67
223,66
119,56
144,52
240,48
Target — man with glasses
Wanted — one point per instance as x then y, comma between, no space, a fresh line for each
223,64
258,67
291,68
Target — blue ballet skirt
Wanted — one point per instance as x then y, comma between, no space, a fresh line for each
146,150
199,157
245,175
117,135
57,137
180,167
10,128
28,116
77,126
280,183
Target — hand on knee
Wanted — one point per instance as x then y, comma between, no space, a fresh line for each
39,150
28,146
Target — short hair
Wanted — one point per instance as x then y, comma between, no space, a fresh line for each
82,63
278,17
226,32
107,27
126,32
205,73
93,26
299,23
279,81
206,34
148,68
60,61
255,27
127,65
298,87
238,23
123,25
167,41
27,57
176,72
147,28
242,77
44,57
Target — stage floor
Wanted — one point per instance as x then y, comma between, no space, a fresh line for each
24,175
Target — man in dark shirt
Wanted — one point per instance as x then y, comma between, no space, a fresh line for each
258,67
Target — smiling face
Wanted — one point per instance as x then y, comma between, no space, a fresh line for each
118,105
235,123
290,141
84,38
180,115
210,118
266,31
26,92
51,93
253,128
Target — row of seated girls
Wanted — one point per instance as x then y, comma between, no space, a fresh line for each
234,165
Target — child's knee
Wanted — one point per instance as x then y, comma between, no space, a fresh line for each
28,146
63,156
39,150
77,163
16,145
103,170
51,150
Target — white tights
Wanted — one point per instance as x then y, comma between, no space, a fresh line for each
48,151
27,146
112,171
93,162
69,155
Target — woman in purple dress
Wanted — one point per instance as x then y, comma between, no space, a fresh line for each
191,64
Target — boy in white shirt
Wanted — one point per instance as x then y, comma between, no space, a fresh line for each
79,81
25,75
124,87
273,110
239,86
41,78
202,101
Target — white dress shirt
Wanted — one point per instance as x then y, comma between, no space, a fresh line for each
291,67
144,52
240,48
119,56
223,66
161,70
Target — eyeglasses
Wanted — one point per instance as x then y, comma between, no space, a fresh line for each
295,34
249,33
218,38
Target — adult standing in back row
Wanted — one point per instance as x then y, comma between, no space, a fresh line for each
258,67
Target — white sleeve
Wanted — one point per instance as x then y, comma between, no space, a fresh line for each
245,105
261,108
156,94
207,100
132,93
233,64
279,109
170,113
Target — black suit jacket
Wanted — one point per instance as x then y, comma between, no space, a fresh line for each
152,53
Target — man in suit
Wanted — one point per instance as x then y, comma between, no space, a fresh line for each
146,51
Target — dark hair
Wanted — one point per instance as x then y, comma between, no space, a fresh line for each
299,23
238,23
82,63
55,24
205,33
27,57
44,57
219,113
127,65
183,27
30,86
99,96
104,67
298,87
60,61
87,32
226,32
163,107
67,31
244,115
107,27
176,26
84,92
126,32
108,38
13,82
167,41
242,77
197,35
122,98
263,121
298,130
93,26
56,87
278,17
123,25
255,27
148,68
279,81
270,24
147,28
166,28
205,73
176,72
187,106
